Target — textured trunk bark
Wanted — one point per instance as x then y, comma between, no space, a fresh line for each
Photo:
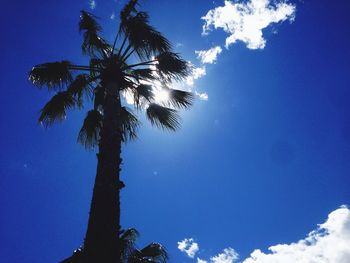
102,237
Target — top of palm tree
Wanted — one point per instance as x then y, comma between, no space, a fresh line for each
155,68
152,253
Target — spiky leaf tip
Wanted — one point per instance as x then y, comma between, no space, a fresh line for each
56,108
163,117
89,133
129,125
171,66
180,98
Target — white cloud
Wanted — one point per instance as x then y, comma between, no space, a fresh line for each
229,255
202,96
245,21
330,243
208,56
196,74
129,97
112,16
92,4
188,246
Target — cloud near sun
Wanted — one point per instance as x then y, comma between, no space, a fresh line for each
245,21
242,21
329,243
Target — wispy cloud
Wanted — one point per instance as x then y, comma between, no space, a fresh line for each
112,16
197,73
202,95
188,246
228,255
245,21
92,4
208,56
178,44
329,243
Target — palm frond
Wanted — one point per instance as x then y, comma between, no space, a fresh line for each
77,257
89,133
180,98
163,117
172,66
130,234
88,22
53,75
155,252
97,64
128,238
143,74
80,87
145,39
128,9
142,93
92,42
56,108
129,125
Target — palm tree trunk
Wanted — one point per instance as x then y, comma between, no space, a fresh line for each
102,237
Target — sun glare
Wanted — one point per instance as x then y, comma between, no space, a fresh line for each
160,95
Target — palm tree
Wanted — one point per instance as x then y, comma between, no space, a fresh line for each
152,253
139,61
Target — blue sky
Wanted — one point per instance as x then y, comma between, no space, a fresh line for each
260,160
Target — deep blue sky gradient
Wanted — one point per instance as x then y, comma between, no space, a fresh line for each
263,161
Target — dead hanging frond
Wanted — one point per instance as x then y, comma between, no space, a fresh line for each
53,75
171,66
56,108
163,117
129,125
89,133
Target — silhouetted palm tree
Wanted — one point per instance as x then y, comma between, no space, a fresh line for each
152,253
108,77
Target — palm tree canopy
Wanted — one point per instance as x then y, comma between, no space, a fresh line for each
155,68
152,253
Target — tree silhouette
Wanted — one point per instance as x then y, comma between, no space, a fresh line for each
108,77
152,253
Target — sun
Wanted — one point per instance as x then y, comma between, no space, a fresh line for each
160,95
